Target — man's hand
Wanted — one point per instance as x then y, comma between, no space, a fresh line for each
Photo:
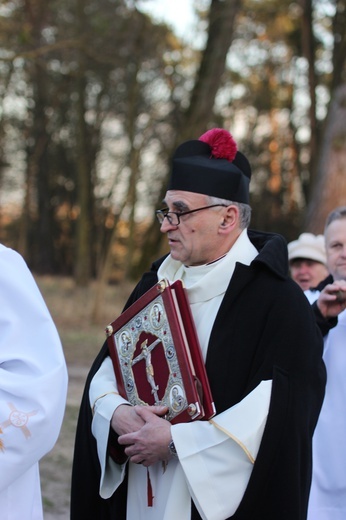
150,443
126,420
332,299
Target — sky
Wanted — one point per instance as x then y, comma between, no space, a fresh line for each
177,13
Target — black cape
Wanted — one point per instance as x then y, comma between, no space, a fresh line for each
265,330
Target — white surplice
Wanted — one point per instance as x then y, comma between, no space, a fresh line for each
328,489
33,388
215,458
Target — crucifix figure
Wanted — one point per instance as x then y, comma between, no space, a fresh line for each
149,369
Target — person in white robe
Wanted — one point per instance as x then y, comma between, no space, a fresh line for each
328,488
33,388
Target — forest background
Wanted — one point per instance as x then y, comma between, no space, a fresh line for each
94,97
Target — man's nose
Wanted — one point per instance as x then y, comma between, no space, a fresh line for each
166,226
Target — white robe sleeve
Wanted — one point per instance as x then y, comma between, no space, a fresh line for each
33,375
217,457
104,399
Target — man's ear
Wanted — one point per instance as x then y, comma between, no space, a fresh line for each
230,219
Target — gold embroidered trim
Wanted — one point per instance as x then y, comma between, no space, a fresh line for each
18,419
229,434
2,447
100,397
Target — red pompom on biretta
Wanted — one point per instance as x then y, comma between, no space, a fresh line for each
222,144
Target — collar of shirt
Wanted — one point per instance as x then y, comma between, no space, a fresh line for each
204,282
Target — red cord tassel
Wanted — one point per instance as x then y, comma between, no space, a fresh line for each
149,490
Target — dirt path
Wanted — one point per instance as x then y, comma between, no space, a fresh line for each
55,467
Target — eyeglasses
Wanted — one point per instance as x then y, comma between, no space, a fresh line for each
173,217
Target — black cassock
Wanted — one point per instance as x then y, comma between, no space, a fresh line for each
265,330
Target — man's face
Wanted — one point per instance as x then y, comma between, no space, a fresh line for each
336,248
307,273
196,240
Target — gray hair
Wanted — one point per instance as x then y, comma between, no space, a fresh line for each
244,210
337,214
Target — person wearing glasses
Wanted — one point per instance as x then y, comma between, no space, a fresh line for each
263,356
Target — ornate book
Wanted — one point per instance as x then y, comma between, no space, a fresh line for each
156,355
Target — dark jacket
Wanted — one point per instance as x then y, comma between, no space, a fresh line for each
265,329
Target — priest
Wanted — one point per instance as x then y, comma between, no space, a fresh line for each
263,356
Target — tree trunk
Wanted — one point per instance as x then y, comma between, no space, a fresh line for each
330,188
222,17
308,49
83,232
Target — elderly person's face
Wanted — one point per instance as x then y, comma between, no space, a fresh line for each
307,273
197,239
335,236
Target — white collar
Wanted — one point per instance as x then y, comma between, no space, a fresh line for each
204,282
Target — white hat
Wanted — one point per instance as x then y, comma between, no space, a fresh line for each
308,246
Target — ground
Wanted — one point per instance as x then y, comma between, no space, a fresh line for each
55,467
82,337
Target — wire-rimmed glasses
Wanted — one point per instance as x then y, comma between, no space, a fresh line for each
173,217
